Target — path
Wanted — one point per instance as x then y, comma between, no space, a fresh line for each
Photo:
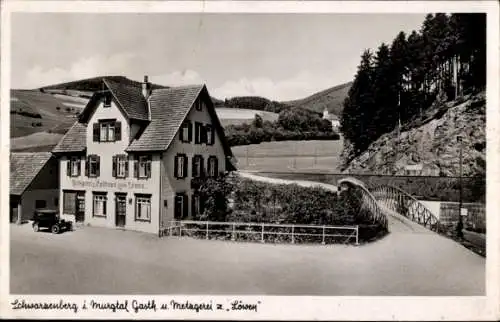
302,183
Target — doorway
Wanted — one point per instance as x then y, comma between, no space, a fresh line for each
120,209
80,207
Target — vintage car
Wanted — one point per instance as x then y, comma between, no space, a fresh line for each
46,218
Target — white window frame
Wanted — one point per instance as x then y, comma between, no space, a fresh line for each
143,203
185,131
212,161
93,159
121,162
209,128
101,199
105,129
75,166
198,165
180,166
142,166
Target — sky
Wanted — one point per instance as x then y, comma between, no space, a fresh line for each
278,56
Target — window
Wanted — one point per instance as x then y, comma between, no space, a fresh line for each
39,204
180,206
69,202
180,166
107,100
143,166
186,132
73,167
143,208
196,205
197,169
100,199
107,131
93,166
120,166
213,166
198,105
210,134
199,133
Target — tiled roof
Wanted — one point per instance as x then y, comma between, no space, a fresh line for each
74,140
169,107
130,98
23,169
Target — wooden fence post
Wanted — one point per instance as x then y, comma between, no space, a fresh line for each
233,234
357,235
206,235
262,234
293,238
323,241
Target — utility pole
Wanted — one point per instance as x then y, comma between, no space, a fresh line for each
460,225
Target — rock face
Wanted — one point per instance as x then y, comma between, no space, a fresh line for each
428,146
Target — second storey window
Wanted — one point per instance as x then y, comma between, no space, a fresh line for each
180,166
107,131
120,166
73,167
213,166
200,133
186,132
142,166
197,170
93,166
210,134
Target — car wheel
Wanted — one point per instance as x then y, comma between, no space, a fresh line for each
36,228
55,229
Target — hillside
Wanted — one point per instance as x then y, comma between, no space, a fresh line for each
331,98
432,141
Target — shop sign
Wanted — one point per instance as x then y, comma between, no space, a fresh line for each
102,184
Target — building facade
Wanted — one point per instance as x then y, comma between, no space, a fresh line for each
334,120
131,159
34,184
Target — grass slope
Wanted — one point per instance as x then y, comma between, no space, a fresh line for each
331,98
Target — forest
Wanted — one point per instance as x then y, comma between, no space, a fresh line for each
445,59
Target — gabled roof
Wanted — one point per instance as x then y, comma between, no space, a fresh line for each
74,140
24,167
169,108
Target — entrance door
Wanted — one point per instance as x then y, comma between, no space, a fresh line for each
80,207
120,209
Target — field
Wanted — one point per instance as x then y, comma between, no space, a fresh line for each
289,156
41,141
238,115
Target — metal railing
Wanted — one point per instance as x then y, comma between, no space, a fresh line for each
263,232
408,206
368,202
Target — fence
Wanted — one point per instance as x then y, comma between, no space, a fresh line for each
262,232
476,214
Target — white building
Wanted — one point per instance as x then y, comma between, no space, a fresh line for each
332,118
131,158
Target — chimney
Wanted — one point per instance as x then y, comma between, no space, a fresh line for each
146,88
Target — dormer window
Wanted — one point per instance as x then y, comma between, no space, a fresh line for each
107,100
107,131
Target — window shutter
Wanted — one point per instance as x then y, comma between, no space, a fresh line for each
96,132
98,161
194,170
118,131
79,166
216,166
212,135
196,133
87,163
209,166
176,166
181,134
202,167
185,206
193,206
126,166
190,132
114,166
148,167
185,164
68,167
136,167
178,207
104,203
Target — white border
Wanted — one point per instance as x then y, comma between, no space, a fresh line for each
283,308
